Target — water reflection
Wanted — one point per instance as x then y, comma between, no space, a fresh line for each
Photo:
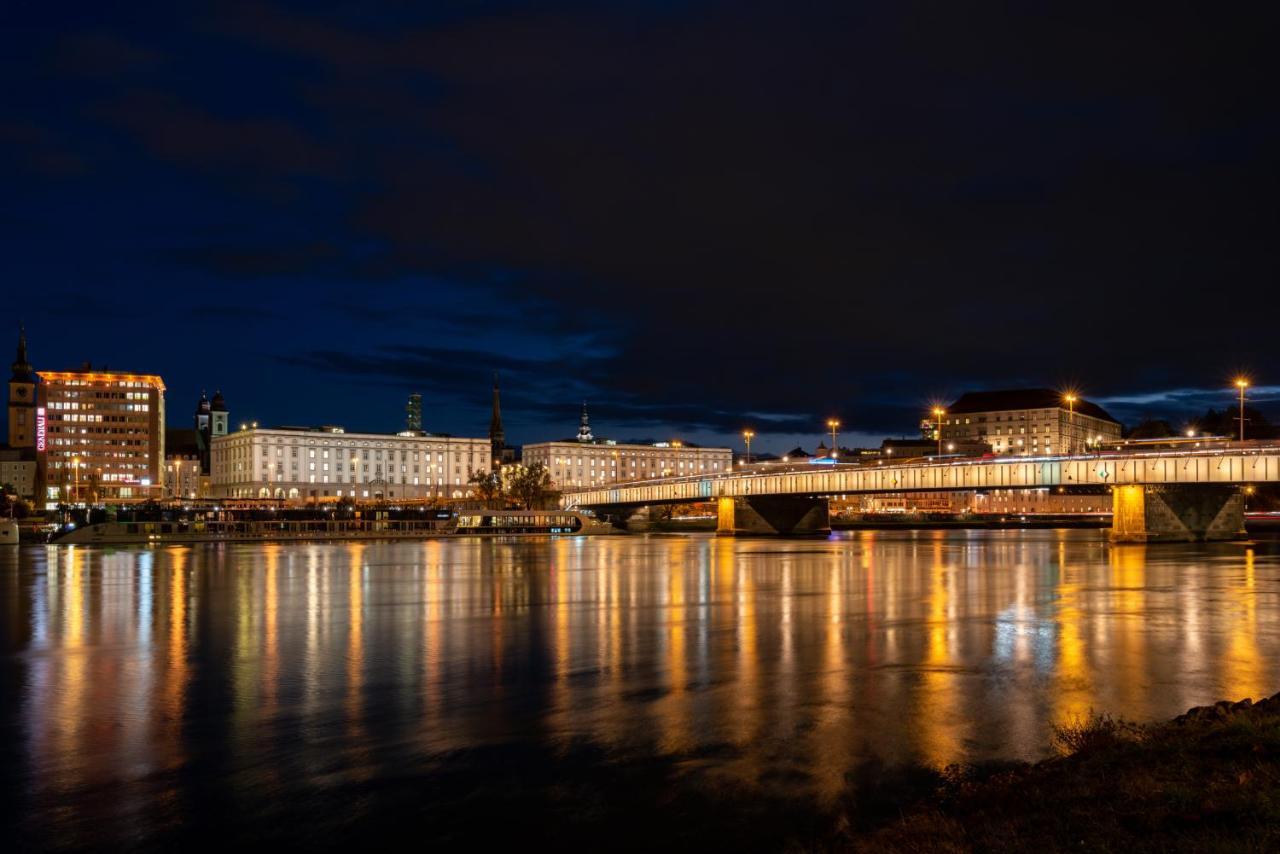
142,682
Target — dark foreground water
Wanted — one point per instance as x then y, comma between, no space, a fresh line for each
628,691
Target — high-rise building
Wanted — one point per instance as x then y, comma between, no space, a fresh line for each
103,437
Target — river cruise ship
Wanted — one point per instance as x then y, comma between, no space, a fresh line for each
272,525
515,522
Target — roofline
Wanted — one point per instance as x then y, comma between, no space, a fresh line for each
95,376
307,431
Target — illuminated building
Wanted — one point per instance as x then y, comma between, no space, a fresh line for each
317,464
184,476
103,435
18,470
587,461
1028,422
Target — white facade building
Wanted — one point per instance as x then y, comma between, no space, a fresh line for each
574,463
328,464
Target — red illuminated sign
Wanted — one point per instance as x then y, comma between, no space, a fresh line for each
40,428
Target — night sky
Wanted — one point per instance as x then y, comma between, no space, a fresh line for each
696,216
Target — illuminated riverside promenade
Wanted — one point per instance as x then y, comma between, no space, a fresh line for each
1176,494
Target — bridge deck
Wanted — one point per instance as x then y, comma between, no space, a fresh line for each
1233,466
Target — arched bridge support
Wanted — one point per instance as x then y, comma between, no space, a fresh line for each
1176,514
773,514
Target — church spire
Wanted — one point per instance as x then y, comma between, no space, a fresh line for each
22,371
497,438
584,428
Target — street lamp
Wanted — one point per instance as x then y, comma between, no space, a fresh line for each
938,412
833,425
746,437
1242,384
75,465
1071,421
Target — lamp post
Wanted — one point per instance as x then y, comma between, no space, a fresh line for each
1242,384
75,465
1071,421
833,425
746,437
938,412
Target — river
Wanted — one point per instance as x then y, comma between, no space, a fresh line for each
321,693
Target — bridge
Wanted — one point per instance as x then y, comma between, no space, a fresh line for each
1186,494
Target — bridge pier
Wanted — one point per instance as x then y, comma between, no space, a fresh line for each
1176,514
773,514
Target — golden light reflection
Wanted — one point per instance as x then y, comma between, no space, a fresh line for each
355,635
1073,690
271,628
69,731
1244,668
746,716
832,742
673,709
942,727
1128,633
802,655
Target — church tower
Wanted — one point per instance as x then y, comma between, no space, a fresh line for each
22,398
584,428
218,416
204,431
497,438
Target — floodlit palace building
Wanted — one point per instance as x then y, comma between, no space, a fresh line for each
587,461
321,464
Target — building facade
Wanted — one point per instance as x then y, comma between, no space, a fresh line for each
18,472
328,464
1028,422
574,463
183,477
101,436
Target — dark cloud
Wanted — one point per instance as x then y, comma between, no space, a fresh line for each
687,213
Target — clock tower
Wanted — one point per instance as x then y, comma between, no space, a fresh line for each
22,398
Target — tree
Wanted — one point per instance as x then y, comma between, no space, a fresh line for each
1151,428
1227,423
530,485
487,484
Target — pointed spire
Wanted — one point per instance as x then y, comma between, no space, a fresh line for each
22,371
584,428
497,438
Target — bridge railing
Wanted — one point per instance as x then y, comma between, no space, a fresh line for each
1241,464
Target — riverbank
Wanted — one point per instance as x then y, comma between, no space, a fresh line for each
1209,780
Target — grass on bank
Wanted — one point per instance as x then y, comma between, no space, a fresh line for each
1206,781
